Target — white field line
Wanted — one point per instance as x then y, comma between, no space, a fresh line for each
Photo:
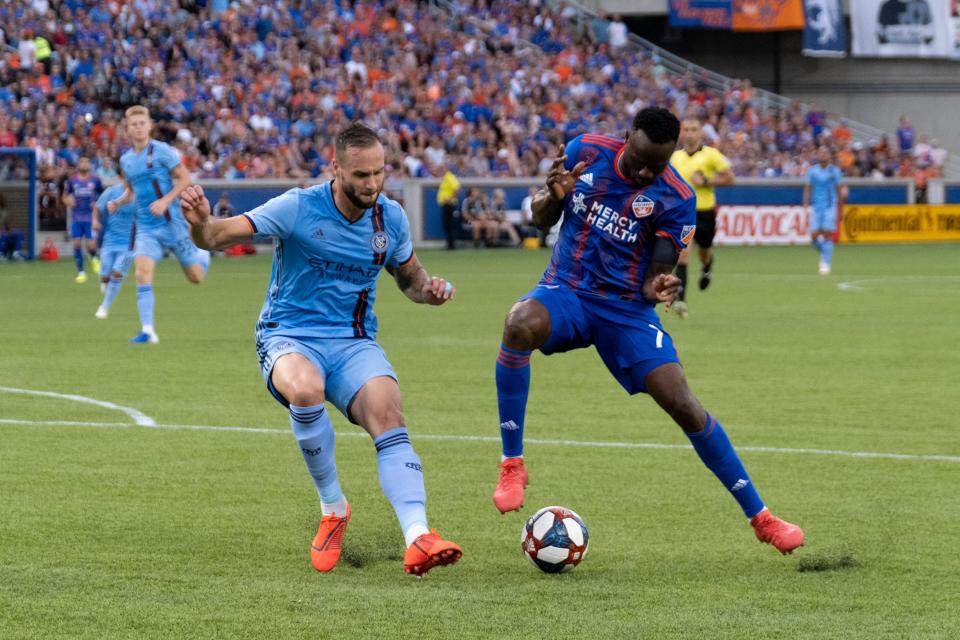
865,283
496,439
138,417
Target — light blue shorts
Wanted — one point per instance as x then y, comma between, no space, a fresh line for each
823,219
346,364
115,259
173,236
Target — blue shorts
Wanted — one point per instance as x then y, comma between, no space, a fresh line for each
115,259
628,336
173,236
81,230
823,219
346,364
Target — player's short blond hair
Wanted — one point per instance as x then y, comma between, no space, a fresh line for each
138,110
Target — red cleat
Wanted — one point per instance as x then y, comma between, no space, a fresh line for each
781,534
508,496
429,551
325,550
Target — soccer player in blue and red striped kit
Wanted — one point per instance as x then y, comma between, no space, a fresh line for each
80,193
316,335
627,215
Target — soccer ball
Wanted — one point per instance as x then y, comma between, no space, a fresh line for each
554,539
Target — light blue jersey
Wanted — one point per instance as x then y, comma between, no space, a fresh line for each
824,182
325,269
118,227
148,173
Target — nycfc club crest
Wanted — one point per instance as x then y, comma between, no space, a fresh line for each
642,206
379,242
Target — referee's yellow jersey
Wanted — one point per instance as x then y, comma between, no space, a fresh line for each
707,161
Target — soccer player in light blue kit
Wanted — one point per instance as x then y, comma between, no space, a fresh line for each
823,184
80,192
317,330
116,249
154,178
627,215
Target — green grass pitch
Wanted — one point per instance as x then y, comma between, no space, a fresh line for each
135,532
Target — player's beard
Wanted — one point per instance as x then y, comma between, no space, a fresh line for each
356,200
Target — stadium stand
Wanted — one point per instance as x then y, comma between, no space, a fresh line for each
489,89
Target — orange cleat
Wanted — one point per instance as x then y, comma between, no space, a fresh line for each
429,551
325,550
508,496
781,534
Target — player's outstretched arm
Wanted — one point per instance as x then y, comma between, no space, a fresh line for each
547,204
208,232
417,285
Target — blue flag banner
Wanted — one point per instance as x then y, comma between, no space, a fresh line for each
824,33
701,14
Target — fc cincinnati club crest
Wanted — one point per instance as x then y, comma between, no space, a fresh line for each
379,242
642,206
687,234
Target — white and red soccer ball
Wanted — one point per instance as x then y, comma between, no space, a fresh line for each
555,539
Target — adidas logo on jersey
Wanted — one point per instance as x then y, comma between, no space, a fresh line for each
509,425
739,484
318,234
587,178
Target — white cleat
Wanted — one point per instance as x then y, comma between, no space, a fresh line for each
824,268
680,307
101,314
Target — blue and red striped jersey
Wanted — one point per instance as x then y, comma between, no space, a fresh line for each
609,224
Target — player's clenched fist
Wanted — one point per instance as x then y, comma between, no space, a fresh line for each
559,180
666,287
437,291
195,206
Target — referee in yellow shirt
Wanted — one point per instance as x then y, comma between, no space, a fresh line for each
447,199
703,167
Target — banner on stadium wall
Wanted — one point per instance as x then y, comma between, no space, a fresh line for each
824,33
700,14
767,15
900,223
902,28
749,224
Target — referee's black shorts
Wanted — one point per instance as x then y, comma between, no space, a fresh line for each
706,228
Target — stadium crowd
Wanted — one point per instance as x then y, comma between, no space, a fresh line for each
257,90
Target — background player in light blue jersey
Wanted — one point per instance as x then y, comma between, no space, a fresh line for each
154,178
316,334
116,249
80,193
824,191
627,215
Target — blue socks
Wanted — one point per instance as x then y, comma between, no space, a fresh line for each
113,288
714,448
826,251
513,385
78,258
401,478
825,247
145,304
314,433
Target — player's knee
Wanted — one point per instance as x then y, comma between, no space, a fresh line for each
304,392
686,411
195,277
525,328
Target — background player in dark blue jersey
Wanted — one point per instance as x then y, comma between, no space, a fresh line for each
315,338
627,215
80,193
